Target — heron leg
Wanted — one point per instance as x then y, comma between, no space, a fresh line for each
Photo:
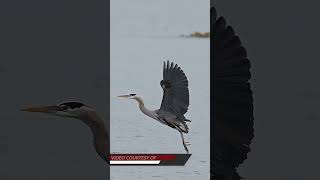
184,143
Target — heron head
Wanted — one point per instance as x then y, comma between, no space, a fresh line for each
129,96
68,109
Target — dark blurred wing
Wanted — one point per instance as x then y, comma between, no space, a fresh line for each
175,89
232,99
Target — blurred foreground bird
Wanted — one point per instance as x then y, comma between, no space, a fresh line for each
232,127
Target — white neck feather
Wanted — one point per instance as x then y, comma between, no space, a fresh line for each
144,109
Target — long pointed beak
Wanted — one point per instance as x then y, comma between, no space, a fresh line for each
124,96
43,109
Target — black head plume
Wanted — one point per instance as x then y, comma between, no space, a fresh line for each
72,105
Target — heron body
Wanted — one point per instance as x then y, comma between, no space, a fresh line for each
165,118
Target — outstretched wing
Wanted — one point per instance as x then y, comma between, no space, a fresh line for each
232,100
175,90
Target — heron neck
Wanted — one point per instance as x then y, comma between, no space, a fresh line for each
140,102
100,134
143,108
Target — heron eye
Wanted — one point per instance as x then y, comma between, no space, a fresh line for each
64,107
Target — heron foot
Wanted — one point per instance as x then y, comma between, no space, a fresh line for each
185,147
185,144
186,150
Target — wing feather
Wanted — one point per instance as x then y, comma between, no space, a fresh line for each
175,89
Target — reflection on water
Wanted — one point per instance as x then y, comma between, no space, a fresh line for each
141,39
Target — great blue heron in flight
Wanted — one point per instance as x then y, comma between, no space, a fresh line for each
175,100
232,127
85,114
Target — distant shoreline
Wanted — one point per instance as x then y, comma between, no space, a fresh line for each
197,35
